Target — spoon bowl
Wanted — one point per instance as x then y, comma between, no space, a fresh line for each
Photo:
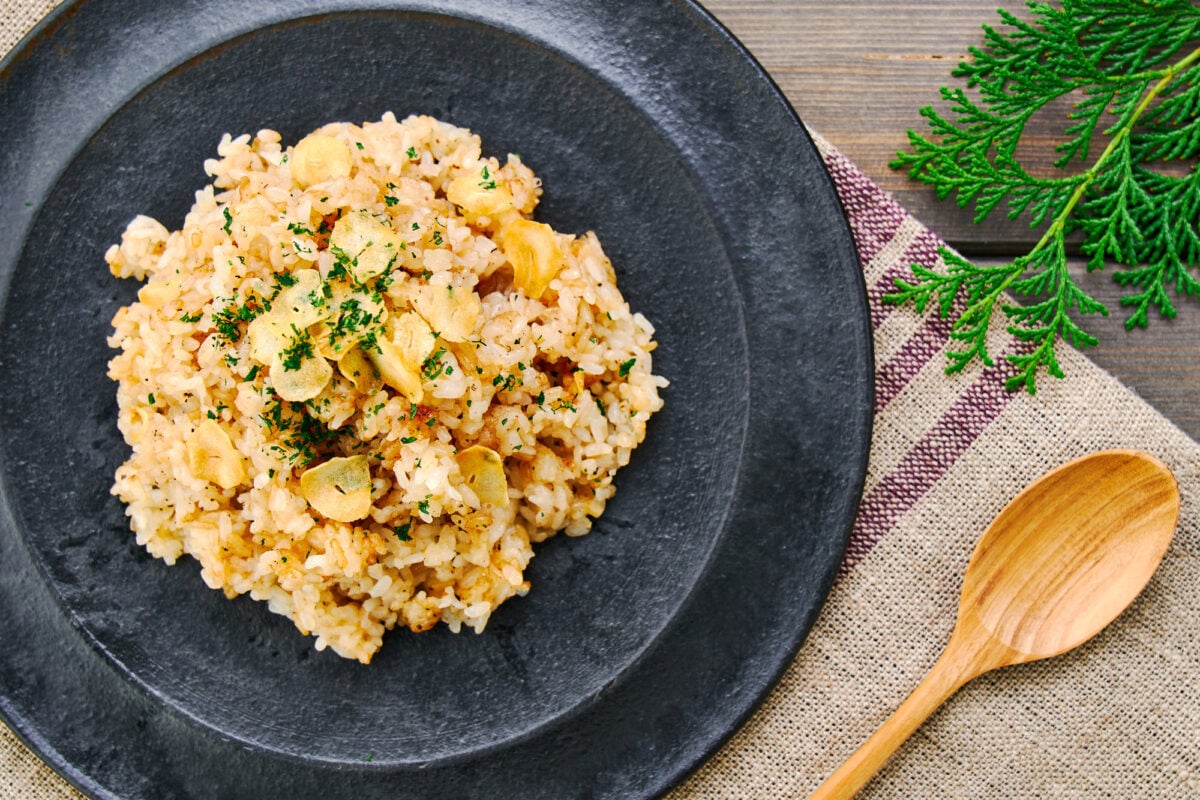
1057,565
1071,552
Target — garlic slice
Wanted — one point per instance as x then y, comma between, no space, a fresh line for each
302,303
304,382
295,309
400,356
395,372
157,294
358,369
212,456
340,488
452,311
317,158
478,196
370,244
483,470
532,250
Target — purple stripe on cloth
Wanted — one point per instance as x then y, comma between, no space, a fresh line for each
874,216
922,250
918,349
929,459
875,220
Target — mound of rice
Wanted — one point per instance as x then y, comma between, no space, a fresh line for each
360,381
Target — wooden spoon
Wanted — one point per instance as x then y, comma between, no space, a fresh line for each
1059,563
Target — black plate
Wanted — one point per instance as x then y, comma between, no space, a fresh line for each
643,645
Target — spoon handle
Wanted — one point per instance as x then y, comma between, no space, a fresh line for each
958,664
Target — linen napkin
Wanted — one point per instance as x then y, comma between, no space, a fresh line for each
1117,718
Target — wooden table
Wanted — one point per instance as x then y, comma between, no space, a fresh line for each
859,70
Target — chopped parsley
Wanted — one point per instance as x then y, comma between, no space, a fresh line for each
433,366
150,397
626,366
488,182
411,152
228,226
408,439
304,436
251,374
192,317
283,280
295,353
401,531
229,320
353,322
506,383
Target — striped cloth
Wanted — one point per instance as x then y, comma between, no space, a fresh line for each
1117,718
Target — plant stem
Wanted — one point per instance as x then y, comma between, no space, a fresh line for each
1167,75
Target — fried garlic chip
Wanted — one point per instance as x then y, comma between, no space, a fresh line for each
476,192
351,314
369,244
158,293
304,382
534,254
358,369
302,303
483,470
212,456
339,489
297,307
393,369
400,356
450,310
318,158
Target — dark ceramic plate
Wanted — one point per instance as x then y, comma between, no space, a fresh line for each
642,645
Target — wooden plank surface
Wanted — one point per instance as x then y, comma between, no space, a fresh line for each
858,71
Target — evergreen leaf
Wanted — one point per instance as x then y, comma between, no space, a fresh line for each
1133,68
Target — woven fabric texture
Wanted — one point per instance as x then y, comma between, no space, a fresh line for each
1117,718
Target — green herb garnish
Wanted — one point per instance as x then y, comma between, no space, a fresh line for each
1133,71
295,353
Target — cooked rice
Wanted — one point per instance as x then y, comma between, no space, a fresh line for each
560,387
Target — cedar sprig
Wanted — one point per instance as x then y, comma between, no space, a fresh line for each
1133,70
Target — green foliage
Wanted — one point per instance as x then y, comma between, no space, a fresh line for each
1132,68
